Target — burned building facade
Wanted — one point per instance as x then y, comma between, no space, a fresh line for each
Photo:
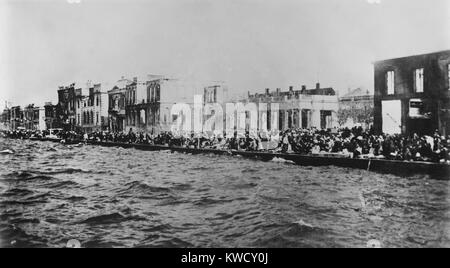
116,105
149,101
51,118
302,108
92,109
17,121
34,118
5,123
412,94
66,108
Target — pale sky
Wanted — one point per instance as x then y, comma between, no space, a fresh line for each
249,44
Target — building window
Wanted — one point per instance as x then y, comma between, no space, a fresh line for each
97,118
418,80
98,101
390,82
158,92
326,119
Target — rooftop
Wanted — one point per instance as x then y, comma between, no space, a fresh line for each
328,91
412,56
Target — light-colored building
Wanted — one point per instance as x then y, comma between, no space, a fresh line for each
149,100
92,109
304,108
34,118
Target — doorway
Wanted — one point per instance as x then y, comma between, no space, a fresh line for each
392,116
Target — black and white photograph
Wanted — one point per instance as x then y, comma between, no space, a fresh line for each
237,125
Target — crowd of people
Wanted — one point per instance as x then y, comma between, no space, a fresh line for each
27,134
355,143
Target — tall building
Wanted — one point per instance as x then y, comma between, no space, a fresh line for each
92,109
51,118
149,101
412,94
16,118
34,118
137,104
66,108
116,107
302,108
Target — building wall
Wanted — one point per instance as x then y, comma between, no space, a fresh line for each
51,119
299,109
16,117
116,111
41,126
5,123
34,118
152,112
133,103
28,115
435,96
117,105
92,114
66,110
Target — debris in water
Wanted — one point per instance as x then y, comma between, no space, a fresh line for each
7,152
302,223
73,243
373,244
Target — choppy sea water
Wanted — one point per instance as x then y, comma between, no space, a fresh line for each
115,197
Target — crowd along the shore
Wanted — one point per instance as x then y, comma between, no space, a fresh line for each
354,143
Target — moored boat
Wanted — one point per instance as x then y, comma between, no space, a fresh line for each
403,168
439,171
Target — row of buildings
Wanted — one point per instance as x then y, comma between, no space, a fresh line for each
141,104
144,104
411,95
30,117
301,108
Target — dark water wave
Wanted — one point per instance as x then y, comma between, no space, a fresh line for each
115,197
108,219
